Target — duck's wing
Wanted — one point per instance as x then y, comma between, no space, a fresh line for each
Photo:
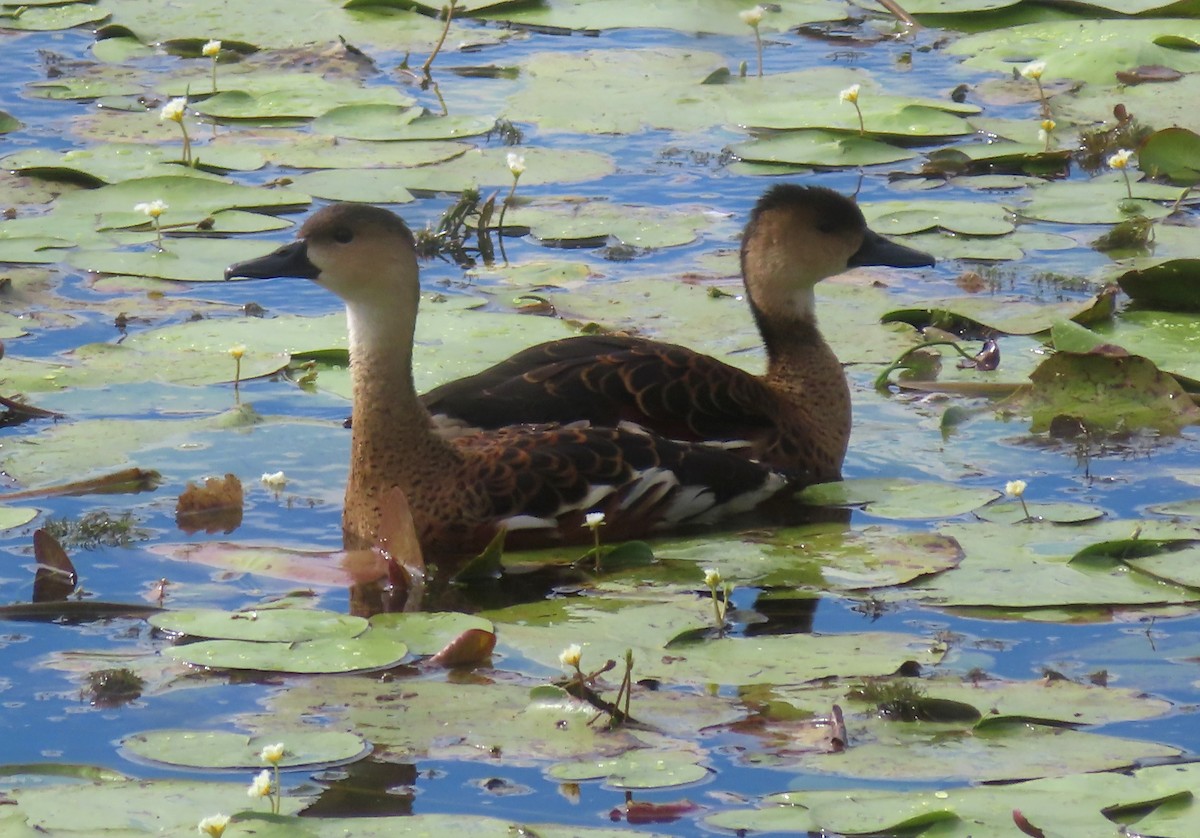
605,379
540,484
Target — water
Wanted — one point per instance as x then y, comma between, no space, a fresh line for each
44,717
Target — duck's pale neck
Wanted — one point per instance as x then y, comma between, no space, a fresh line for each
392,443
800,364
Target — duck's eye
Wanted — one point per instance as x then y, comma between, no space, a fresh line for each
343,235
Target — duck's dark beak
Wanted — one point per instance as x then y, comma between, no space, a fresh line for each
876,250
289,260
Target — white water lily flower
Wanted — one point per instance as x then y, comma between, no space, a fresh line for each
850,94
1034,70
236,352
211,49
712,577
174,110
272,753
593,520
752,17
1120,160
213,826
570,656
1015,488
153,209
261,786
516,164
275,480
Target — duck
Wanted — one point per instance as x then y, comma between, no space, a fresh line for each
796,417
539,483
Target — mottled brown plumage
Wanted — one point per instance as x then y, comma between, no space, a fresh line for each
795,417
539,482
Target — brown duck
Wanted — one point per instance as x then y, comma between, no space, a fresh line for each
538,483
796,417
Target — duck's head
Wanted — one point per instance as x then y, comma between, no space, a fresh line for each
799,235
364,254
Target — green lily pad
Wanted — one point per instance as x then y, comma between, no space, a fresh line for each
486,719
1029,565
1164,283
357,654
16,516
682,15
1101,200
307,100
1166,338
488,168
130,807
123,161
1173,153
183,259
377,186
640,769
595,221
8,122
1112,393
34,18
284,24
820,148
264,625
427,634
227,750
996,315
394,122
899,499
971,218
1011,512
306,152
1070,51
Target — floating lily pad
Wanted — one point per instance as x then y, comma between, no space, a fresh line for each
16,516
681,15
227,750
130,806
266,624
35,18
1069,48
640,769
901,499
820,148
123,161
306,152
595,221
1164,283
1101,200
1011,512
377,186
489,168
1029,566
365,652
1173,153
1109,393
308,98
428,634
971,218
395,122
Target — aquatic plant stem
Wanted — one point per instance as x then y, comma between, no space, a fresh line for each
449,9
881,381
901,15
758,49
